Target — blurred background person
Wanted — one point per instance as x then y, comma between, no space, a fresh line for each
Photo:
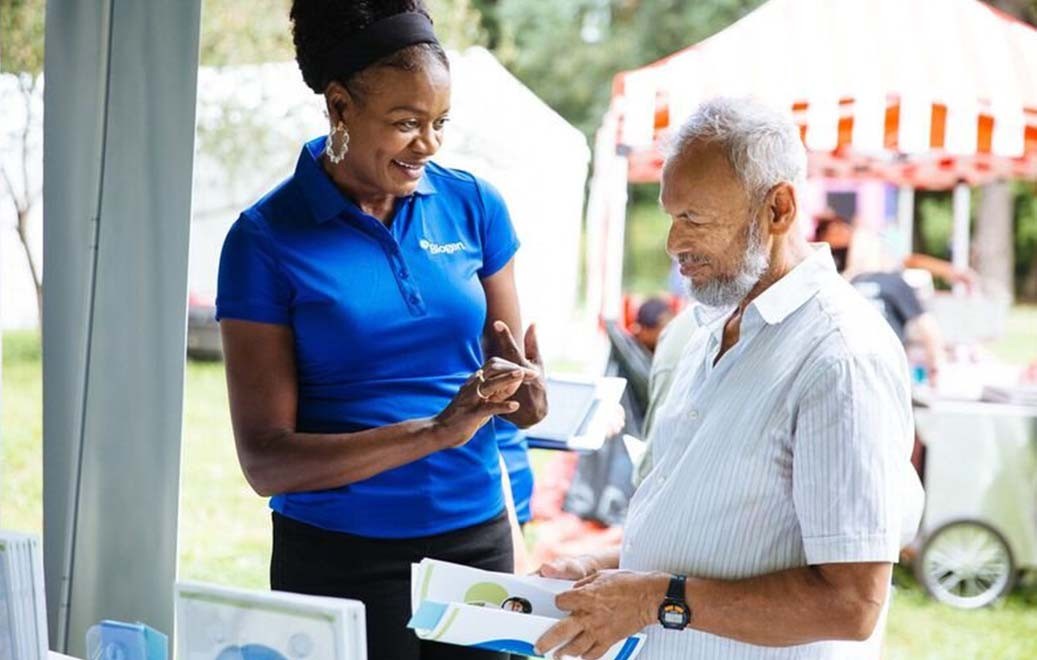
859,256
653,316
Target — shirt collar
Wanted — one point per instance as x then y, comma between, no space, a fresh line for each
797,287
425,186
324,199
707,316
781,298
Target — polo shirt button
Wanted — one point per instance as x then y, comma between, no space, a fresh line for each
404,274
414,299
693,414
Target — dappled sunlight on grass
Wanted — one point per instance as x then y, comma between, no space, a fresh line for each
21,433
922,629
224,525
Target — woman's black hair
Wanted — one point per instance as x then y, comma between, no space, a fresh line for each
320,26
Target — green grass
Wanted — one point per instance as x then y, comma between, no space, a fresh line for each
217,503
214,494
21,433
646,267
921,629
1019,345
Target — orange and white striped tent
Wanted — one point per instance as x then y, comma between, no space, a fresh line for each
923,93
919,93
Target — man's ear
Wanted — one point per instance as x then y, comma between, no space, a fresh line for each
781,208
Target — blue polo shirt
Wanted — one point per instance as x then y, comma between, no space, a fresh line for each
387,322
514,447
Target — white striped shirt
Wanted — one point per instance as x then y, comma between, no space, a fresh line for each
792,451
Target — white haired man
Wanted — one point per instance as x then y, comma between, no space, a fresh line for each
776,506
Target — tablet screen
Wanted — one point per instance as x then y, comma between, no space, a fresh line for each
569,404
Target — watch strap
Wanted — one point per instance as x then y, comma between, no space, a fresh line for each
676,589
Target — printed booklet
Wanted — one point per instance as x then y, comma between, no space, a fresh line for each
497,611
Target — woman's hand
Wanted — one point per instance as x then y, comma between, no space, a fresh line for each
533,393
570,567
486,393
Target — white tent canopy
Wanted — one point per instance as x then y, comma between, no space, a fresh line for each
919,93
924,93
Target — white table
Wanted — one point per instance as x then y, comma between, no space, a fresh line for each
981,463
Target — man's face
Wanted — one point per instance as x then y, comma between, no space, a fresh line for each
837,234
714,233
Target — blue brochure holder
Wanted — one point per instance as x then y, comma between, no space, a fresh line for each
111,640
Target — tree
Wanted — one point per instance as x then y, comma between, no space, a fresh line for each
993,255
459,23
568,51
1024,10
995,250
238,32
245,32
1025,229
21,33
546,45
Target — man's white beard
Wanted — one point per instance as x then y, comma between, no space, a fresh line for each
729,291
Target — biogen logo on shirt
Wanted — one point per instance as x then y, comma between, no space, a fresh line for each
441,248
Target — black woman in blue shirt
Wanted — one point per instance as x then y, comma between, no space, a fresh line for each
355,301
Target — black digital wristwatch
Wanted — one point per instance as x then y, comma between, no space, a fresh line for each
674,612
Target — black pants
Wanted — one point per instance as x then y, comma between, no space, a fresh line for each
311,560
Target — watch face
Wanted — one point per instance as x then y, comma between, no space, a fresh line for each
673,615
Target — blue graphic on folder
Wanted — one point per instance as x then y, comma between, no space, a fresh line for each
126,641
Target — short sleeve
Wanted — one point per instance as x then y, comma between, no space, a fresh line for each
851,450
251,287
499,241
904,298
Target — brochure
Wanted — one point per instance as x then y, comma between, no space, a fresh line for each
23,612
498,611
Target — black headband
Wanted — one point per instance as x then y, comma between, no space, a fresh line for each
377,40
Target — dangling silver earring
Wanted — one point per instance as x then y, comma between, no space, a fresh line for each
329,146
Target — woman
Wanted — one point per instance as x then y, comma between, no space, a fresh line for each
355,299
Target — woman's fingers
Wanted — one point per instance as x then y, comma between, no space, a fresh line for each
497,365
532,347
506,341
491,408
501,386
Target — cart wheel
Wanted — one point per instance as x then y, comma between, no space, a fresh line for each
966,564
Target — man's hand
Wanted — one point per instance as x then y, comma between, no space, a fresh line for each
605,608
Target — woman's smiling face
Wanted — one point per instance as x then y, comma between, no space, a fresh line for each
395,127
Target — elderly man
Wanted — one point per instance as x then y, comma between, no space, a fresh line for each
770,522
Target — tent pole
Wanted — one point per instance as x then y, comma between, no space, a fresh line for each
960,236
906,216
118,153
606,222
